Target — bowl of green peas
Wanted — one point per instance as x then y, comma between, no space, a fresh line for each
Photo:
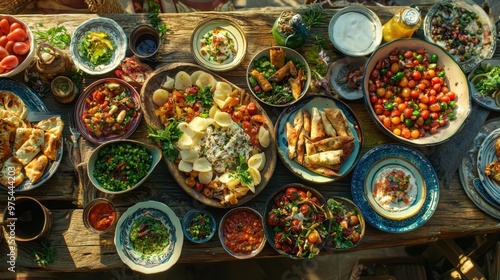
122,165
278,76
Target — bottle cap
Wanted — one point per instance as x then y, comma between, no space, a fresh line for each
411,16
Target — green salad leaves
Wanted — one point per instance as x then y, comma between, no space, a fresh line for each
487,79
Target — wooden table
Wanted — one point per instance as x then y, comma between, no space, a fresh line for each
79,249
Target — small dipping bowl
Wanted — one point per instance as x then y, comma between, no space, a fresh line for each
29,220
63,89
192,218
144,41
99,215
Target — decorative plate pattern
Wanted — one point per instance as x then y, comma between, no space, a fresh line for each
170,254
234,33
339,69
485,50
485,155
421,162
416,180
469,175
320,102
118,39
484,100
34,104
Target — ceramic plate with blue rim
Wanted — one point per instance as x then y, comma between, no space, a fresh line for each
158,262
486,155
424,166
469,175
34,104
117,37
377,180
339,73
320,102
485,101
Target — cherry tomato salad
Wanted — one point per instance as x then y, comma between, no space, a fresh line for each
346,229
14,45
409,93
298,222
109,110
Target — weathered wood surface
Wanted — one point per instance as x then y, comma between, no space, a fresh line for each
79,249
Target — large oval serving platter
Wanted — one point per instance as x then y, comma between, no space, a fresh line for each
34,104
320,102
149,107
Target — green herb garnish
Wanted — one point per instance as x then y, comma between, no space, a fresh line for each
155,20
313,15
166,138
199,227
242,172
46,255
56,36
204,95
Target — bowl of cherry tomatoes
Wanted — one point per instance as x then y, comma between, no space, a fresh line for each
297,221
17,46
416,92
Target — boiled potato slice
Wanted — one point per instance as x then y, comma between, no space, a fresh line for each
200,124
185,166
205,177
257,161
223,119
206,80
264,137
168,83
202,165
195,75
186,128
225,178
213,110
185,142
182,80
189,155
160,96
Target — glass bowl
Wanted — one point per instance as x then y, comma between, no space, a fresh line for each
99,215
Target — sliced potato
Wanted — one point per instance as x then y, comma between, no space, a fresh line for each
257,161
195,75
160,96
206,80
189,155
202,165
182,80
186,128
205,177
223,119
185,166
264,137
168,83
200,124
213,110
225,178
185,142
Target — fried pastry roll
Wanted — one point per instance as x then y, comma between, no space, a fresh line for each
285,71
263,82
317,130
337,119
277,57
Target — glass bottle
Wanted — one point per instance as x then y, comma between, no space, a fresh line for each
402,25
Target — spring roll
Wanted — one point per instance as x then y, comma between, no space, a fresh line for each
263,82
277,57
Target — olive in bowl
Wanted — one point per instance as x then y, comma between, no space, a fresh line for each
122,165
297,221
199,226
241,232
348,224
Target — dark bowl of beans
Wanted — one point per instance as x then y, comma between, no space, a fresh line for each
241,232
416,92
122,165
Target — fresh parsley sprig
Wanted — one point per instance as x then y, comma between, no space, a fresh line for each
313,16
166,138
155,20
241,171
204,95
56,36
46,255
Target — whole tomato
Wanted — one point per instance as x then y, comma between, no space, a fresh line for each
20,48
18,35
9,62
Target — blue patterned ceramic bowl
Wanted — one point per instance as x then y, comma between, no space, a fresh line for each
118,39
170,253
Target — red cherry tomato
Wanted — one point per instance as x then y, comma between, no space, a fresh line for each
5,26
252,108
304,209
3,52
313,237
291,193
20,48
14,26
445,99
302,194
10,47
18,35
2,70
273,219
296,225
3,41
452,95
9,62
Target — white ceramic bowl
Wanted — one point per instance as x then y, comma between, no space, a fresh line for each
27,58
290,54
204,31
154,152
118,39
455,79
355,31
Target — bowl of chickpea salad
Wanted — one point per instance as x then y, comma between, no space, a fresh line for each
120,166
108,109
416,92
